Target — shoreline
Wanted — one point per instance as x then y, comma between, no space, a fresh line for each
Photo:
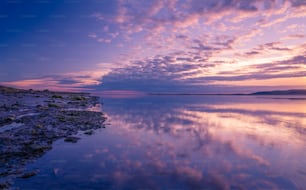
32,120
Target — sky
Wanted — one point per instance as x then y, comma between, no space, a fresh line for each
190,46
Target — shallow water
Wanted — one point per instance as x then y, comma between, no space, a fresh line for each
184,142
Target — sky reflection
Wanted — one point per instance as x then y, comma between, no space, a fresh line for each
185,143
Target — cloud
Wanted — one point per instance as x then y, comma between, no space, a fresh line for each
103,40
77,81
168,44
184,73
158,24
266,49
181,45
92,35
298,3
272,46
157,73
182,14
294,36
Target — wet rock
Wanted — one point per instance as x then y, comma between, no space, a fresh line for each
6,120
50,105
30,121
4,107
57,96
39,148
39,126
38,106
78,98
29,174
89,132
4,185
56,171
72,139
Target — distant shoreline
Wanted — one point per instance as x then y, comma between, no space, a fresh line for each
299,92
194,94
293,92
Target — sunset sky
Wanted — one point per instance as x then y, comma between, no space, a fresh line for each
153,45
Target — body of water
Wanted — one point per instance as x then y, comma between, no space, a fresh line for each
184,142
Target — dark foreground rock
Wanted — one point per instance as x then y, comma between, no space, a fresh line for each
30,121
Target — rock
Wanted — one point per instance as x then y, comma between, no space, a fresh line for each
4,106
57,96
78,98
39,126
39,119
72,139
55,171
90,132
50,105
29,174
7,120
39,148
4,185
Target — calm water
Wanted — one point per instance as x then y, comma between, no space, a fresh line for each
185,142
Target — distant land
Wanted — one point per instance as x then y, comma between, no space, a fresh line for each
275,92
282,92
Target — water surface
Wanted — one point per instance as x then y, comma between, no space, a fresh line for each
184,142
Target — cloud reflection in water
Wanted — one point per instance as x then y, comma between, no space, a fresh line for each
237,142
189,142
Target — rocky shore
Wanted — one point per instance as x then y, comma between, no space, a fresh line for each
30,121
